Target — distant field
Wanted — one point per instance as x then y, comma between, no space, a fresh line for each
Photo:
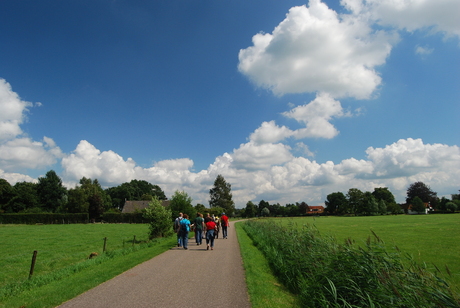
433,239
58,246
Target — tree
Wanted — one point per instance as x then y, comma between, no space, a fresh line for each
424,192
369,205
265,212
382,207
26,198
303,208
6,194
96,206
221,195
418,205
355,199
50,191
336,203
251,210
383,193
451,206
159,219
181,202
262,204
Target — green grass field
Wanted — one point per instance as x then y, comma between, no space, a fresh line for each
430,239
58,246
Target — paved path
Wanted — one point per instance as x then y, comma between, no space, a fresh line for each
177,278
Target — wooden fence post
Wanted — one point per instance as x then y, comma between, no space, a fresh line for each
32,266
134,240
105,242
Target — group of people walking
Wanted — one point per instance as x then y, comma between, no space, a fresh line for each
207,226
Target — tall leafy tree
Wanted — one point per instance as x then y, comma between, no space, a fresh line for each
356,200
383,193
303,208
6,194
50,191
26,198
250,210
182,202
423,191
221,195
336,203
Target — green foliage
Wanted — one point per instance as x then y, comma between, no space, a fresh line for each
181,202
326,274
221,196
250,210
136,190
336,203
51,193
265,212
44,218
418,205
423,191
159,219
451,206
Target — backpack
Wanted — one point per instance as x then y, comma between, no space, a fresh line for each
183,225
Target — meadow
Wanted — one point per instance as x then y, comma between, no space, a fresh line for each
365,269
430,239
63,259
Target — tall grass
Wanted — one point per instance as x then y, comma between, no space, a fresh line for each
326,274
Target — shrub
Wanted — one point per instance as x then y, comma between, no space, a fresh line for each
159,219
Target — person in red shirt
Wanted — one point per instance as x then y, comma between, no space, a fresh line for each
224,224
210,229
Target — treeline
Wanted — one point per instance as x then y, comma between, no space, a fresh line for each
50,196
381,201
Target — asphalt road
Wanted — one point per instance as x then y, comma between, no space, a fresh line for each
177,278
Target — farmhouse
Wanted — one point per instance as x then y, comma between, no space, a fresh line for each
138,206
315,210
408,208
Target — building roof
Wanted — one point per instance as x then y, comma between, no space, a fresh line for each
137,206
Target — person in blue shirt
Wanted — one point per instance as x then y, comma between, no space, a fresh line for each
184,230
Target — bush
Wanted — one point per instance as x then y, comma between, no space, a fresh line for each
159,219
44,218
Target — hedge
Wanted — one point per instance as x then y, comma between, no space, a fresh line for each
44,218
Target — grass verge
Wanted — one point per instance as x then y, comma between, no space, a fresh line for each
263,287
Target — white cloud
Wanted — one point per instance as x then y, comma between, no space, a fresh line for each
438,16
14,178
315,50
316,116
255,157
23,153
423,51
269,132
12,110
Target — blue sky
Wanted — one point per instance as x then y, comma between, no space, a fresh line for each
288,100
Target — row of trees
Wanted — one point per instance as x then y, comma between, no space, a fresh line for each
356,202
50,196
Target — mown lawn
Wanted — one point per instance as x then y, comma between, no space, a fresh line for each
430,239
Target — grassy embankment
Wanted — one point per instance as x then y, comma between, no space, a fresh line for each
63,269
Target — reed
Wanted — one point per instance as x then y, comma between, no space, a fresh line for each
324,273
